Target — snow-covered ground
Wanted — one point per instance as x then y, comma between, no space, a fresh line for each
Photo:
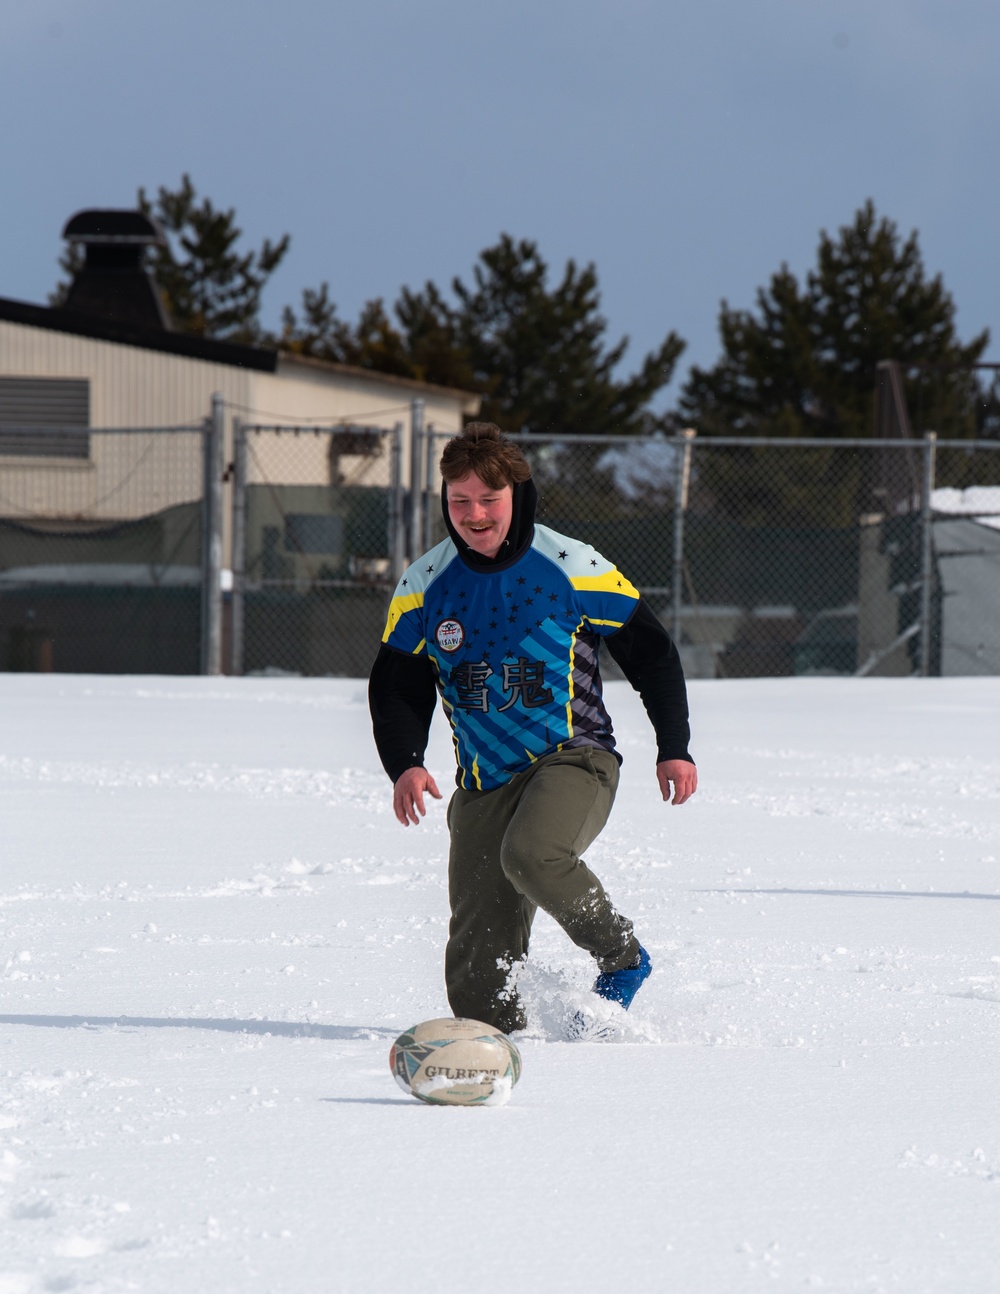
982,502
211,929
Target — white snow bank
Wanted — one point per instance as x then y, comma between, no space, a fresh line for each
979,502
212,928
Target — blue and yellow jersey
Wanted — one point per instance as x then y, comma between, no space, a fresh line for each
514,650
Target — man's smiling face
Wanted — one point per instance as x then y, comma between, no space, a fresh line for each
480,514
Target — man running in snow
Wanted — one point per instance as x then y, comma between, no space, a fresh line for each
504,619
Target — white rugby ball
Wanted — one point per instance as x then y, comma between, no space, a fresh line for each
456,1061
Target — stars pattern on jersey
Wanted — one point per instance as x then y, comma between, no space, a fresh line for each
524,679
520,621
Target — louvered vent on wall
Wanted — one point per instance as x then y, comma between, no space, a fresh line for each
44,417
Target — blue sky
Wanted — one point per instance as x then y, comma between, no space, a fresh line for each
686,150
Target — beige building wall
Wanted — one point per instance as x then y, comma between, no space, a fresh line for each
131,387
377,399
305,394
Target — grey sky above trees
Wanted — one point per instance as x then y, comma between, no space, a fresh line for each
534,344
685,151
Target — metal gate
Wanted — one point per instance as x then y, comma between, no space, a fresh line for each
318,531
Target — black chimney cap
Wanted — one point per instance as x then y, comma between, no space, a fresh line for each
90,227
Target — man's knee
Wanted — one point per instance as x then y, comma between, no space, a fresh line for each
520,861
563,811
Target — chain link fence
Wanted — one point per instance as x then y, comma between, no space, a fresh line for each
778,557
761,557
318,533
101,549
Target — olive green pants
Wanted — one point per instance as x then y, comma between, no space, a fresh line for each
514,850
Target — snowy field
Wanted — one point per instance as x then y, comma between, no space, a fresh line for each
211,929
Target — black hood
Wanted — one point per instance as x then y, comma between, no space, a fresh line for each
519,537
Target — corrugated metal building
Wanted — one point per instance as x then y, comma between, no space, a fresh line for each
72,498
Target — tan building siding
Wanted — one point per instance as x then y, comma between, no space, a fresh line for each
129,386
125,477
312,394
130,476
135,387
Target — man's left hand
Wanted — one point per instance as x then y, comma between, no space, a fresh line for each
677,777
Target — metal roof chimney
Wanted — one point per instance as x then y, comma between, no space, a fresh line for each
114,283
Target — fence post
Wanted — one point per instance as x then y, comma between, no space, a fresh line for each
211,541
416,475
397,528
427,493
682,481
236,661
927,552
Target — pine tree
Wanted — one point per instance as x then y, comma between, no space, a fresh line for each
431,329
538,353
805,364
319,332
535,353
209,287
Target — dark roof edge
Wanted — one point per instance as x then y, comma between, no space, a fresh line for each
55,319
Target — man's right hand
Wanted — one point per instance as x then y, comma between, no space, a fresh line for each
408,795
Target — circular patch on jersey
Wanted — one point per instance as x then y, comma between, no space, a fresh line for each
449,635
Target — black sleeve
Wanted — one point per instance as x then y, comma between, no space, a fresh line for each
648,658
401,696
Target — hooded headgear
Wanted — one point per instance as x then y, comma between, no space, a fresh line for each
519,536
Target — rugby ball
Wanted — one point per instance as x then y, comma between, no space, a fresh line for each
455,1062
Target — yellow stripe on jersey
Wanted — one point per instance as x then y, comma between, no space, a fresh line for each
398,608
569,681
610,582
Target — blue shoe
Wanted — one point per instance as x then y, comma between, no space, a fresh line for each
621,986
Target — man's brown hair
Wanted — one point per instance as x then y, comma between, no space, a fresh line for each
484,449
